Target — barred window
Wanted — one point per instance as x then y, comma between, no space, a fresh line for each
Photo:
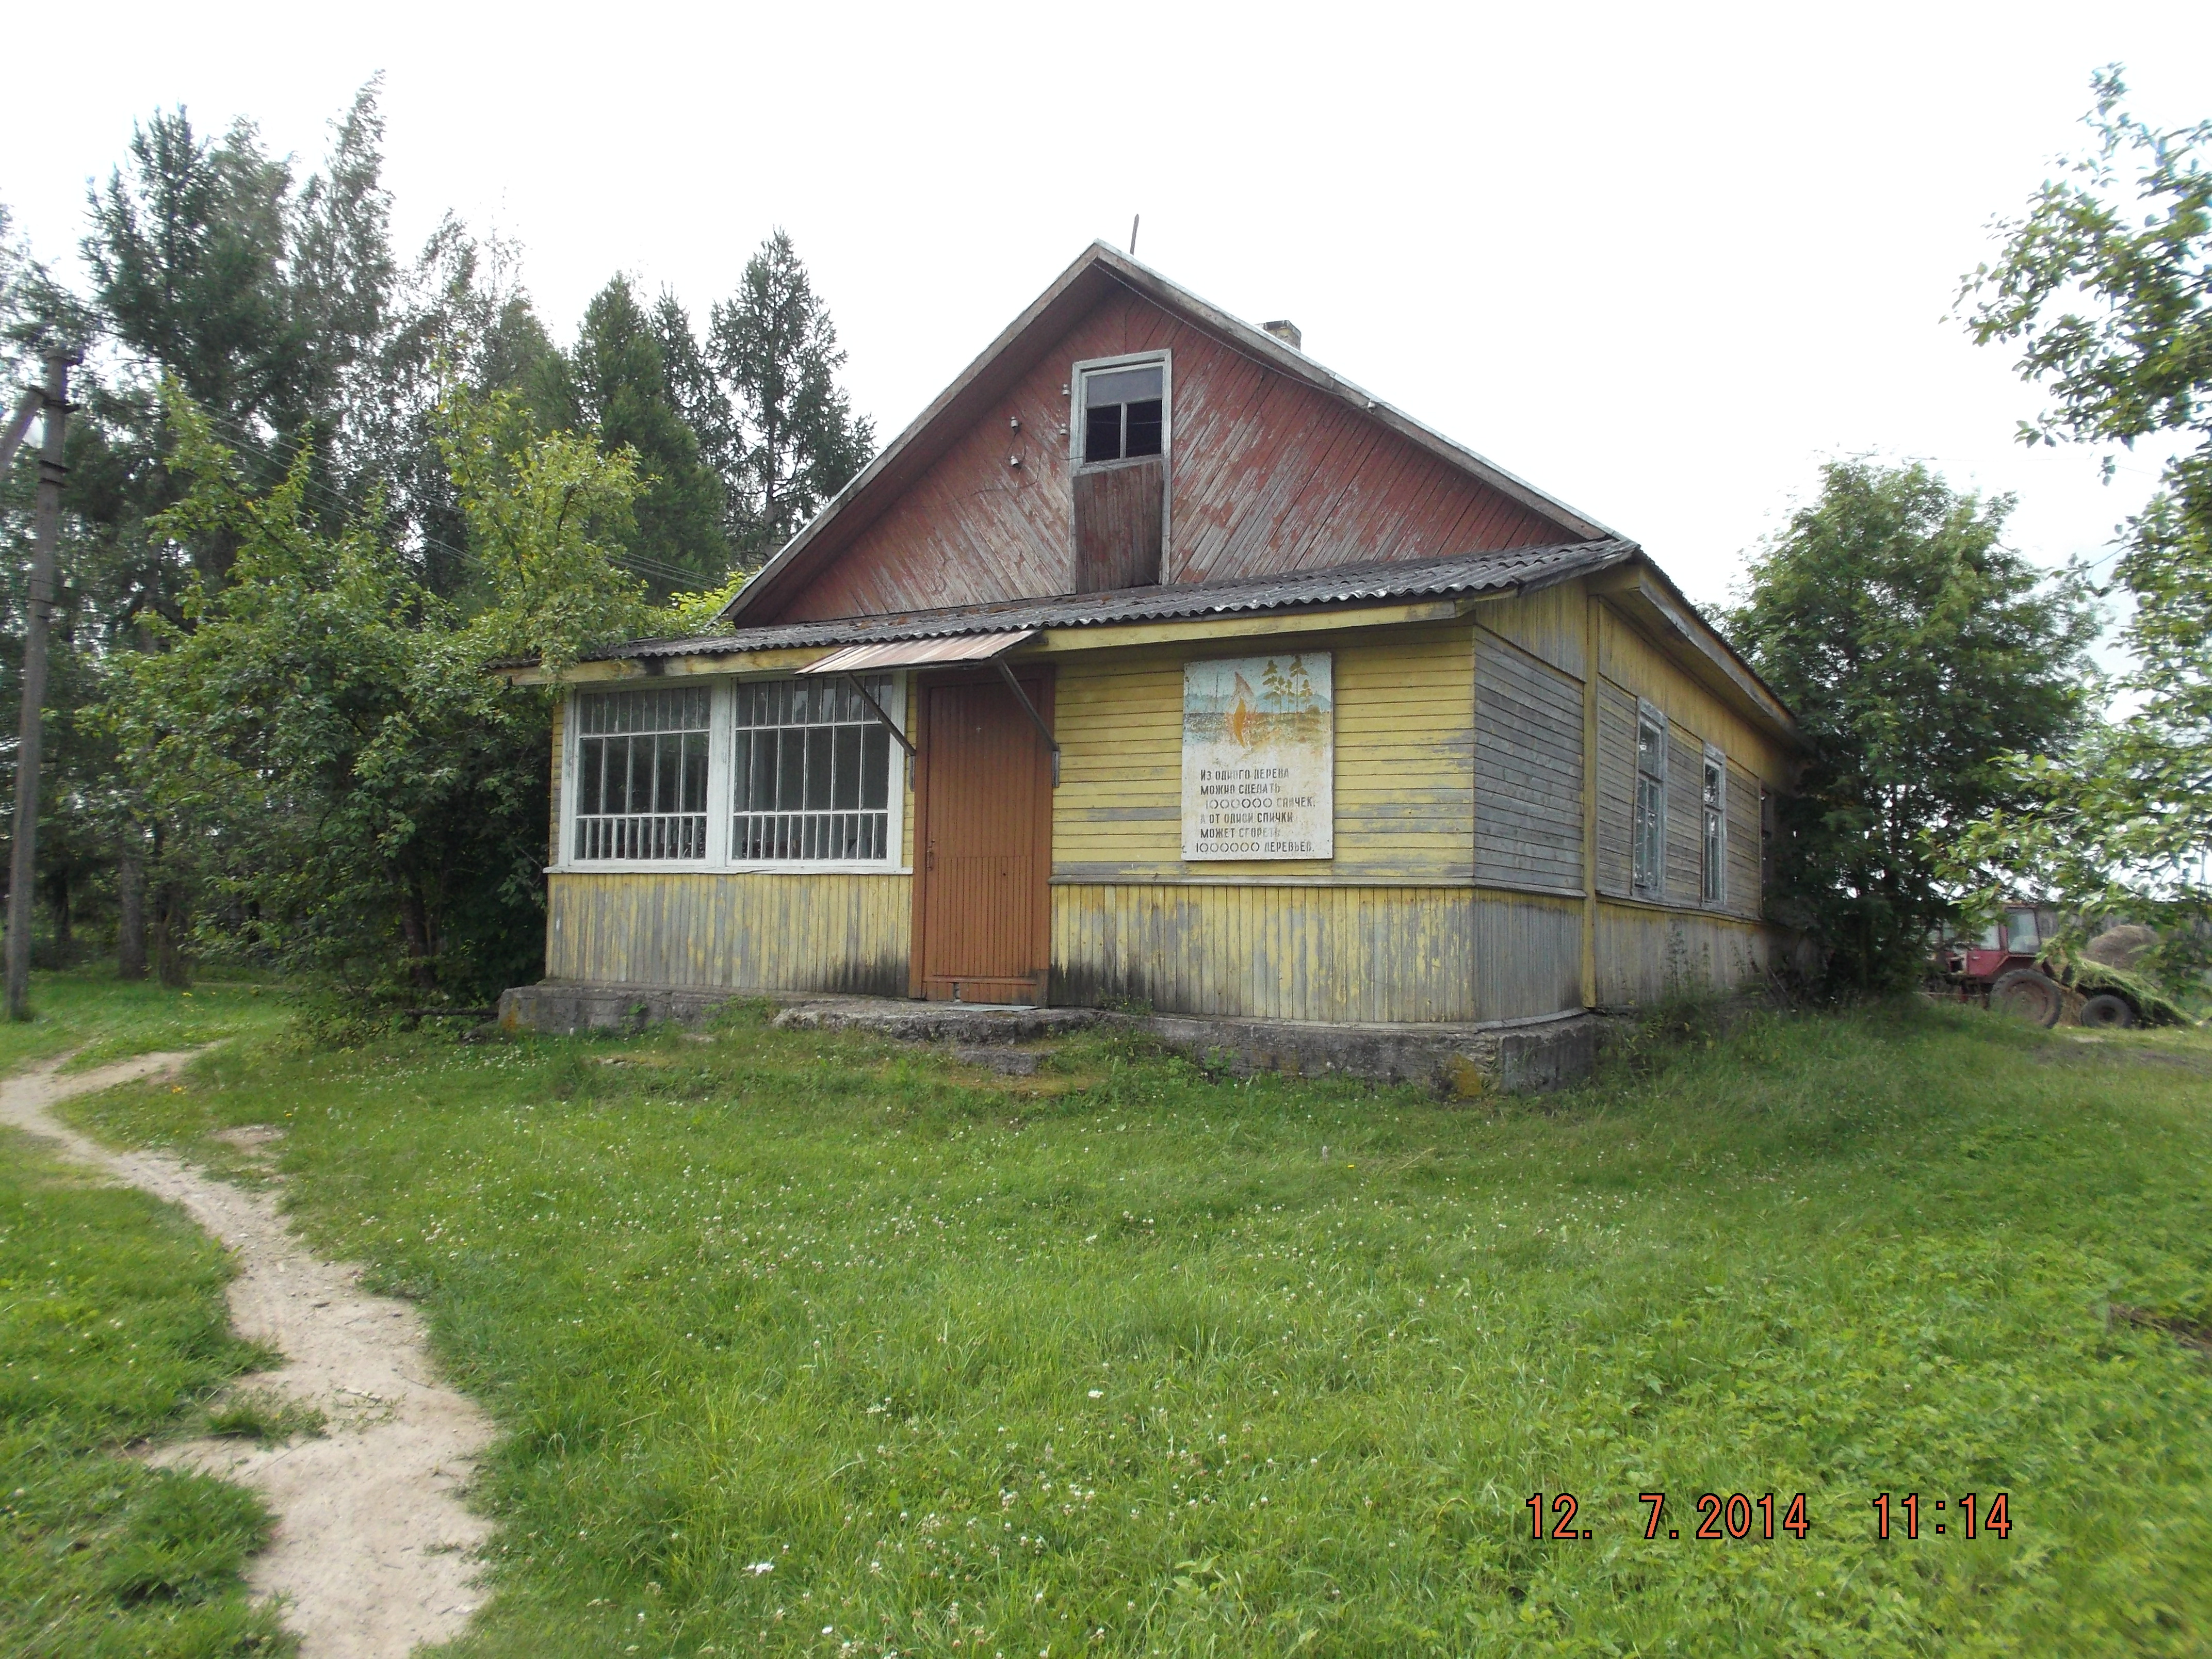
642,774
811,765
1650,802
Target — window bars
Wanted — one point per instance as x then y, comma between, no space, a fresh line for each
642,774
811,770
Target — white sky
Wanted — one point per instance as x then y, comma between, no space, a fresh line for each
1659,261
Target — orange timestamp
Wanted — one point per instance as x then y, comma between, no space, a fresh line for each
1742,1515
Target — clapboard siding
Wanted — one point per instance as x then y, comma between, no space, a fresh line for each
1744,897
1616,788
1646,953
560,767
1685,817
1317,953
1527,770
1405,762
749,932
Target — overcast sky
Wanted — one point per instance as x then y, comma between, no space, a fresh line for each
1659,261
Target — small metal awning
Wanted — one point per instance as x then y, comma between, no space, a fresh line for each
920,653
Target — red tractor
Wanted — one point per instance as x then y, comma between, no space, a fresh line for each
2006,970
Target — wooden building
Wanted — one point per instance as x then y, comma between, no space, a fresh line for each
1156,663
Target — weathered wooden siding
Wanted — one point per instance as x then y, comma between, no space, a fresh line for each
1265,475
1686,818
1632,662
1405,742
1527,770
1550,624
1318,953
1744,897
754,933
1616,789
1644,952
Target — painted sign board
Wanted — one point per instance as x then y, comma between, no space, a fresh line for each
1259,757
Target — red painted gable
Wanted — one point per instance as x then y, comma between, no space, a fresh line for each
1266,474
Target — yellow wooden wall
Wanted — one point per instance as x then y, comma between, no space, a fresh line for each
827,933
1318,952
1632,662
1647,951
1405,750
1392,929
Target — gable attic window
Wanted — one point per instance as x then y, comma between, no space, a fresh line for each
1124,412
811,772
1649,832
642,774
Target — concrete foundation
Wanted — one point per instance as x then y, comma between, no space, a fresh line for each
1465,1061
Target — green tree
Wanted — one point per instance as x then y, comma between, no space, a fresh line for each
2106,286
1918,653
320,740
616,382
776,351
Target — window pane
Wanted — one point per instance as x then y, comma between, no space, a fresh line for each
1102,434
1124,386
1143,428
875,767
812,766
845,774
2021,930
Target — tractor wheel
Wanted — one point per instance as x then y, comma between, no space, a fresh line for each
2026,995
2113,1012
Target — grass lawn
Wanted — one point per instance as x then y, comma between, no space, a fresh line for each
103,1019
807,1344
114,1329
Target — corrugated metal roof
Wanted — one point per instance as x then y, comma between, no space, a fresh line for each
919,654
1469,573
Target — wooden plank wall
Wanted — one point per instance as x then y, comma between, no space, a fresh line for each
1644,952
1317,953
1527,770
1616,789
1266,475
848,934
1405,750
1685,817
560,756
1744,897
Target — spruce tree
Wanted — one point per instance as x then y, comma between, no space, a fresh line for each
774,346
616,381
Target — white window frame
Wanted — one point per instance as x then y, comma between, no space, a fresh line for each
1086,367
1712,827
1648,714
722,796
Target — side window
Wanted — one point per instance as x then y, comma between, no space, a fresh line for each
1124,412
1715,799
642,774
811,768
1650,838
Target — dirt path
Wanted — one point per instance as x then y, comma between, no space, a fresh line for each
374,1548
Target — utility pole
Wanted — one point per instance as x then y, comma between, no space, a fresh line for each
23,865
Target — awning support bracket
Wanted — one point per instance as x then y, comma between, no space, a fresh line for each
1030,709
890,726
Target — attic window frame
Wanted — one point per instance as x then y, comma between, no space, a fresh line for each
1077,414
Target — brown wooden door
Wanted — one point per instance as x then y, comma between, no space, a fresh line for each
982,843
